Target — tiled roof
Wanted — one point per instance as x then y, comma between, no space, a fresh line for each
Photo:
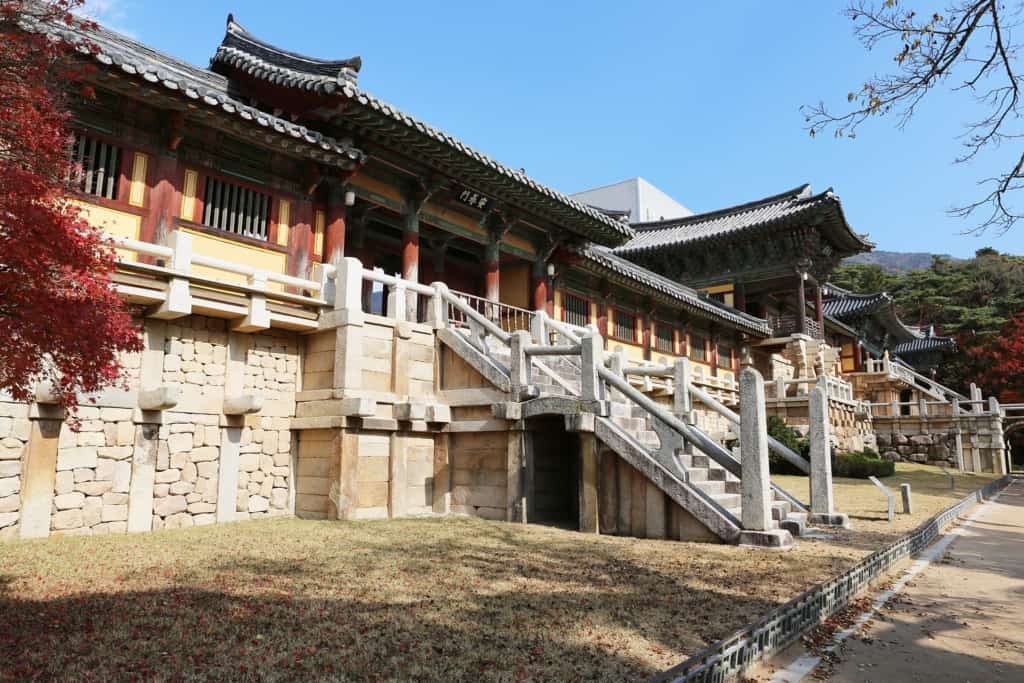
262,60
925,344
852,305
115,51
602,259
777,209
427,143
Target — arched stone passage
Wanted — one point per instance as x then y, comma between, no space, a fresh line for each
1014,436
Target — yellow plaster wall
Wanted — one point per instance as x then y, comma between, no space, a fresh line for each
727,290
229,250
114,222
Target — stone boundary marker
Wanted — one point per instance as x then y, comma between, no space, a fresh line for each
730,657
890,501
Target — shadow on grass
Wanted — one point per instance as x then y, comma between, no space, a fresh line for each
494,605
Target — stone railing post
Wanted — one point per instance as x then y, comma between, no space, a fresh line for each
324,273
519,374
616,361
397,305
682,404
538,327
755,515
437,307
179,300
780,388
754,452
258,317
820,434
347,318
590,356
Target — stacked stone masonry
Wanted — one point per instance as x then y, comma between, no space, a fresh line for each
95,473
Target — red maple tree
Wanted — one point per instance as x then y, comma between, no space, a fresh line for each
60,319
1000,361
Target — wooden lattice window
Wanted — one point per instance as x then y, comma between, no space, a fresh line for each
236,209
664,339
575,310
725,355
98,166
698,348
625,326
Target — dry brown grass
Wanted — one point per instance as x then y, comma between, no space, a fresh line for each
430,599
866,506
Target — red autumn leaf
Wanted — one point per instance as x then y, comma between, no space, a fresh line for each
60,318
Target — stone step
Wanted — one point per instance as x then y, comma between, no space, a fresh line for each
696,475
632,425
712,488
780,509
727,500
794,524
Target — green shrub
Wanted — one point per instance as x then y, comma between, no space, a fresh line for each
861,465
782,432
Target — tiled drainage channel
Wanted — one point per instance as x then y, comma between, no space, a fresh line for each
728,658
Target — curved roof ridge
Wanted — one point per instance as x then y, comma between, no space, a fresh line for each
797,193
235,32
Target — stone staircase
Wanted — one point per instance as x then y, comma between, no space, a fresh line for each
706,489
702,472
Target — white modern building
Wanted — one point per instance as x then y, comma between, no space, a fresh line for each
641,199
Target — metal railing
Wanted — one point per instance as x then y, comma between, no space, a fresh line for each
507,317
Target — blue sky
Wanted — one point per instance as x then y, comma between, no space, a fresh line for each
701,99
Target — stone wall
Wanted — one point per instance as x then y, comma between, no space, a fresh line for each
367,422
160,468
14,434
850,431
936,439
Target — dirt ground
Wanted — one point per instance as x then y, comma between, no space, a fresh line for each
412,599
958,620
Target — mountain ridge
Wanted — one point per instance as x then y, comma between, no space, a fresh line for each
897,261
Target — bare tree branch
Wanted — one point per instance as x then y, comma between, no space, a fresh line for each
973,36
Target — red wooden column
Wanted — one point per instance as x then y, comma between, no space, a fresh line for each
647,320
492,269
819,311
602,316
740,296
713,351
411,250
801,304
164,197
334,234
540,285
300,237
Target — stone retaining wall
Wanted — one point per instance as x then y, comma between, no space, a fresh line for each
162,469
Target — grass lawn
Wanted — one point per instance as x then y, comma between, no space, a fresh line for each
426,599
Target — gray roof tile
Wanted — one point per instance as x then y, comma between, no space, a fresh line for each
241,50
604,260
780,208
135,59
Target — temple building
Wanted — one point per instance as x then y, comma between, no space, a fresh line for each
349,313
